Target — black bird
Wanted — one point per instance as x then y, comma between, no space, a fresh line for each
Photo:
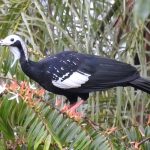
74,74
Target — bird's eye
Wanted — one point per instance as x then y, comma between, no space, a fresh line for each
12,39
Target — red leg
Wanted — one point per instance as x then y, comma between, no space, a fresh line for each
65,108
71,110
75,106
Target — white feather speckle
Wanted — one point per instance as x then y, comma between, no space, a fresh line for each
64,62
74,63
55,75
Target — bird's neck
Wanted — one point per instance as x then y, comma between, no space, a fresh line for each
23,57
20,52
29,67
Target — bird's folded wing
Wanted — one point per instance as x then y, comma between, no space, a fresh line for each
87,72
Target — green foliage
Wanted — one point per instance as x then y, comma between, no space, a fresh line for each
97,27
43,127
142,10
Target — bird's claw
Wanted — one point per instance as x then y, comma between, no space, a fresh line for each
65,108
72,112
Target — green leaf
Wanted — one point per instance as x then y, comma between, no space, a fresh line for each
141,10
47,142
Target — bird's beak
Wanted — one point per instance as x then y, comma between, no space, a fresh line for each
4,42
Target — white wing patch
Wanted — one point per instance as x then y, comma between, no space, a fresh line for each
75,80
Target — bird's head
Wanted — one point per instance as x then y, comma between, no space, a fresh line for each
11,40
17,46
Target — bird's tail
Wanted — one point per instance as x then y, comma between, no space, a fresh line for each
142,84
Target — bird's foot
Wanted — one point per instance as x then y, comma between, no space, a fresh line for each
65,108
74,107
72,110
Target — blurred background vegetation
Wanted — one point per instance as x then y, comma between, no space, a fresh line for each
117,119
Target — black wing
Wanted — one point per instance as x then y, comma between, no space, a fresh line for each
106,73
84,73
